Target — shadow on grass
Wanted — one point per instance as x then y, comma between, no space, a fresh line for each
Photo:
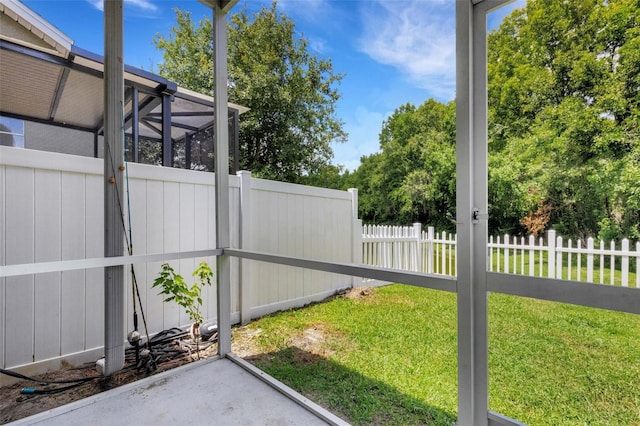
350,395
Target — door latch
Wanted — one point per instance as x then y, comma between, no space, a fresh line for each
476,216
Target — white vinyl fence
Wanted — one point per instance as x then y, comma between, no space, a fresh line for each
571,261
51,209
410,248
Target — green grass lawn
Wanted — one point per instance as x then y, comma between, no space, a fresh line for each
390,357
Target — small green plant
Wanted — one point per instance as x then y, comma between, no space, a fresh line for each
176,289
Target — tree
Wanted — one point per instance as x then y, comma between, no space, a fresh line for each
287,132
412,179
563,126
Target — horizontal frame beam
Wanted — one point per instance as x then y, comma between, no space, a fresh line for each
99,262
613,298
496,419
435,282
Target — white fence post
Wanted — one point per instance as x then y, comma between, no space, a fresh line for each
638,265
579,262
430,246
417,230
522,255
443,251
601,262
356,253
569,258
551,254
625,263
244,279
541,264
518,250
490,260
498,254
506,254
532,258
558,258
612,263
590,260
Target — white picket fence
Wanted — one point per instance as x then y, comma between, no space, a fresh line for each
409,248
412,249
554,259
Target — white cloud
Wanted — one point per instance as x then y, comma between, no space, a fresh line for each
140,4
364,130
308,9
317,44
415,36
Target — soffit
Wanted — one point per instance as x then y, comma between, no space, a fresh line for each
39,83
26,96
21,23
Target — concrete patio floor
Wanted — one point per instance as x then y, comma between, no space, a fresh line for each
210,392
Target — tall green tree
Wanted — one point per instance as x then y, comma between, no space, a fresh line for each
412,178
287,132
564,126
563,108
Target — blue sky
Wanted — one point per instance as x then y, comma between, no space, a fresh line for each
390,51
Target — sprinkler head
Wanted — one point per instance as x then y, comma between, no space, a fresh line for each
133,338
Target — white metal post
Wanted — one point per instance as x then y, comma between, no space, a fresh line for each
222,178
479,230
114,332
472,208
464,200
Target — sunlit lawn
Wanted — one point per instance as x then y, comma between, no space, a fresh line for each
390,357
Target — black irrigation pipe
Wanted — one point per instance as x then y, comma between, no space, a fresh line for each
165,350
48,382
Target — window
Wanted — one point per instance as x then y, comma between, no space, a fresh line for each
11,132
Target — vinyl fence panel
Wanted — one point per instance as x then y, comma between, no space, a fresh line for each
51,209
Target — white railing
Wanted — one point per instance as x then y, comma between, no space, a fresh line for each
409,248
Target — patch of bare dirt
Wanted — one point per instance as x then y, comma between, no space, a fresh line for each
14,405
358,292
310,346
313,340
244,341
